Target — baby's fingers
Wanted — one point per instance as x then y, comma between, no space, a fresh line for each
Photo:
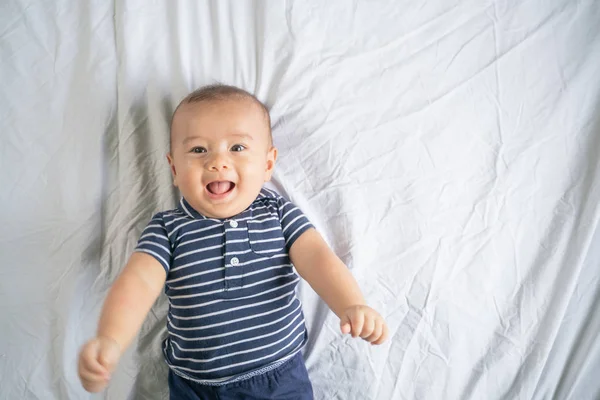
94,386
377,331
88,358
92,365
345,327
368,327
89,364
92,377
357,320
384,334
93,380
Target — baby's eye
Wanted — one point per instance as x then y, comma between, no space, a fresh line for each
198,149
238,147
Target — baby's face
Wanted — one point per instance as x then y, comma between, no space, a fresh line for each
221,155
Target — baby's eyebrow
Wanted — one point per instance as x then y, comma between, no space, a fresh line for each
190,139
245,136
242,136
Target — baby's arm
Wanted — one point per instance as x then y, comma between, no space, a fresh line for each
128,302
334,283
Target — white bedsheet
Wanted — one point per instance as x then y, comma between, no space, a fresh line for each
448,150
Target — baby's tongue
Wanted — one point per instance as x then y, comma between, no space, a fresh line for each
219,187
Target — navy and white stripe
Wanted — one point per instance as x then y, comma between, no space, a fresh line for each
233,311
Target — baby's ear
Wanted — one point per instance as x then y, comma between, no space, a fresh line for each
173,170
271,158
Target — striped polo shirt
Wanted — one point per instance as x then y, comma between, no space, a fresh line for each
233,311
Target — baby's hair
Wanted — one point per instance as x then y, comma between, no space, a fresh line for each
219,92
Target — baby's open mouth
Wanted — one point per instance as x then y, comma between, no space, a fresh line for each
220,187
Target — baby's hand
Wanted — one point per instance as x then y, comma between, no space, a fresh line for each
97,360
365,322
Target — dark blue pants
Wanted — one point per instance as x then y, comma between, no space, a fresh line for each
289,381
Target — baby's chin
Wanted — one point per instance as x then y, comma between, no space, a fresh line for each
235,203
223,214
220,211
223,210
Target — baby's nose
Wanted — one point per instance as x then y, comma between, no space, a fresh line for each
218,163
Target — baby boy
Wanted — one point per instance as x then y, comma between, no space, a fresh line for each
226,258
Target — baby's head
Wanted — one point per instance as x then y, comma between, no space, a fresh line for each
221,149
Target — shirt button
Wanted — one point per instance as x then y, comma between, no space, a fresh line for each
235,261
233,224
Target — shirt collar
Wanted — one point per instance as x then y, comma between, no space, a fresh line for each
185,207
189,210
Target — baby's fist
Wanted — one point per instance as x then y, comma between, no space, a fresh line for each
365,322
97,360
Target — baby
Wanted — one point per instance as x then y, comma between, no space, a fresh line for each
225,258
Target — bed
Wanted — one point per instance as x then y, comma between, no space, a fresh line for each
448,151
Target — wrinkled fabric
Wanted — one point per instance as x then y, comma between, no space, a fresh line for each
447,150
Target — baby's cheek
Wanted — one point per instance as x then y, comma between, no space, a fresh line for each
252,171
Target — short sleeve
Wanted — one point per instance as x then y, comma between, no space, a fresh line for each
155,242
293,222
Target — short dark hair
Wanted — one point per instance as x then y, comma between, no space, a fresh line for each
218,92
